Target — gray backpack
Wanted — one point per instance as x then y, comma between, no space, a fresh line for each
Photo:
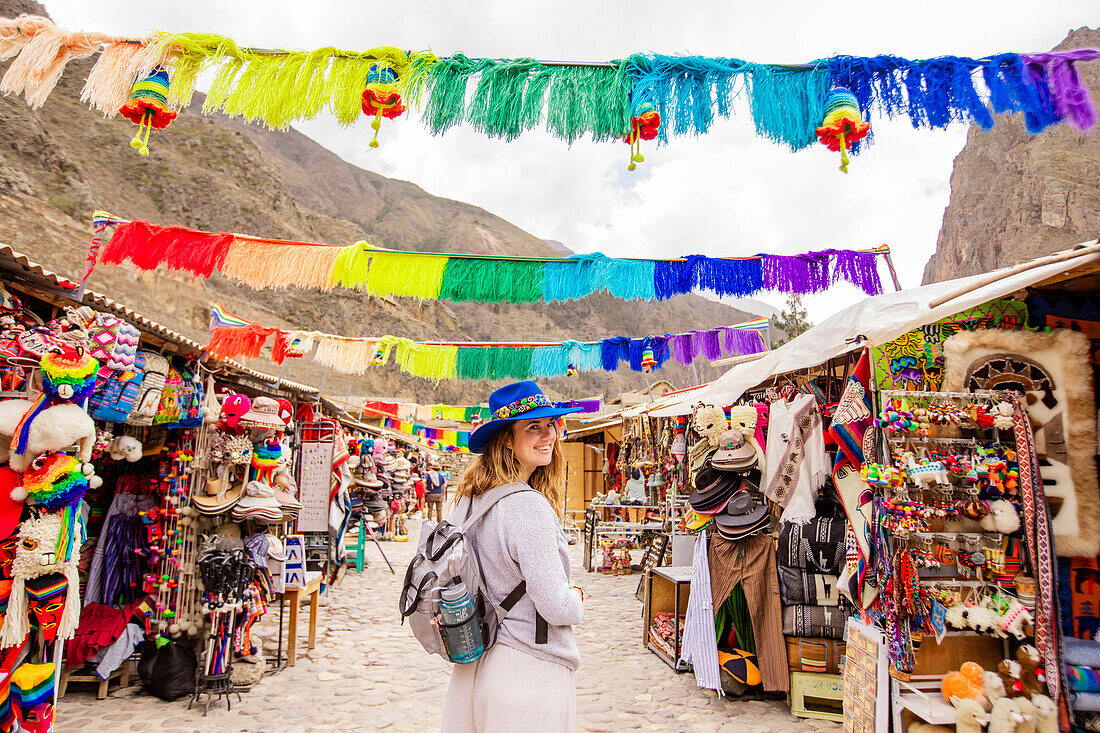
445,556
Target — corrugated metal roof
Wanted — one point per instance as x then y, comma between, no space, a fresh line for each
37,275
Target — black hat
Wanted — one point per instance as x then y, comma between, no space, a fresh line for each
713,487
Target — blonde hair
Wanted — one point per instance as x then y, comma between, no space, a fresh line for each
498,466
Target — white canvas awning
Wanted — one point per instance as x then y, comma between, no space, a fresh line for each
881,319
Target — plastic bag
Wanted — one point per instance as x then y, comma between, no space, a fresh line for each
168,671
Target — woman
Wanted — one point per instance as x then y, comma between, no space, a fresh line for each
525,680
434,496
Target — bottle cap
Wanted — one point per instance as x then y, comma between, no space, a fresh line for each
453,592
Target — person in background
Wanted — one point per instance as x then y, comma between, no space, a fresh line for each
435,488
418,485
635,493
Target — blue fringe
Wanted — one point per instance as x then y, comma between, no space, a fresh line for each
936,92
578,276
587,357
551,361
688,91
661,352
613,351
675,277
788,104
729,277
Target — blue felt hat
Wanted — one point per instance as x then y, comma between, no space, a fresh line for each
519,401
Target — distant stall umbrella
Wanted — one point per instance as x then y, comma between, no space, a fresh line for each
843,123
381,98
148,108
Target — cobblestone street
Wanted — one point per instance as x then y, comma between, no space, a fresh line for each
368,673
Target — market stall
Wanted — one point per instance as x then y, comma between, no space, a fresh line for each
920,484
162,484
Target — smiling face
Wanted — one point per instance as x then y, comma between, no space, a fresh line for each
532,442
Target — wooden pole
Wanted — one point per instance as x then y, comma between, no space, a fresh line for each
992,277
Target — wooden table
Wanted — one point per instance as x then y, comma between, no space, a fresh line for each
293,595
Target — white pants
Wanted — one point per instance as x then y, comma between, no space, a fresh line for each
506,691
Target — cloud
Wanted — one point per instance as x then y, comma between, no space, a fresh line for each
726,193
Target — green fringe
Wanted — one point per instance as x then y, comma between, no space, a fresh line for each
278,89
492,281
511,97
493,362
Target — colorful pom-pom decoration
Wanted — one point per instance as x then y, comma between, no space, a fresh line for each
843,123
644,125
648,360
148,108
381,98
571,371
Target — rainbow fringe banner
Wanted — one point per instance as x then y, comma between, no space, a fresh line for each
267,263
489,360
454,413
435,436
503,98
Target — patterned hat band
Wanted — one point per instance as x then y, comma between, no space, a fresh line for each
521,406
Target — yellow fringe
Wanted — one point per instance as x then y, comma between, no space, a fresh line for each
430,362
363,267
275,265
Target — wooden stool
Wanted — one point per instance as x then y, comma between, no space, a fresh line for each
87,674
293,595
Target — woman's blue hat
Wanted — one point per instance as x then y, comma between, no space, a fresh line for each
519,401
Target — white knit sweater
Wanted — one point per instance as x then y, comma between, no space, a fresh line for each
520,539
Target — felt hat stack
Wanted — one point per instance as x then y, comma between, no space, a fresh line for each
258,504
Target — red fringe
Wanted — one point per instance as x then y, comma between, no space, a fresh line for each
148,245
279,347
236,342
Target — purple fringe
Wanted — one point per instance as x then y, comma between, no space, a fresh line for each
585,405
682,349
1071,96
801,274
858,268
743,341
706,343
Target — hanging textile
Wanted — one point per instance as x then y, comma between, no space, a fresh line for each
699,647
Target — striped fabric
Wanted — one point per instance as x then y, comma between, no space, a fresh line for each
700,645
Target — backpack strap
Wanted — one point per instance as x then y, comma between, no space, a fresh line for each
476,510
542,629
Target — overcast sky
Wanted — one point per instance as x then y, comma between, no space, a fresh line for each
725,193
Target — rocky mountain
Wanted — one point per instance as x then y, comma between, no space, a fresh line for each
59,163
1016,196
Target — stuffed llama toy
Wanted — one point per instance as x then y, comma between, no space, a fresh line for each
969,716
1014,618
1027,712
1002,517
42,550
1046,718
1005,716
710,422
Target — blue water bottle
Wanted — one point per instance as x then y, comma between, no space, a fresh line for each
461,627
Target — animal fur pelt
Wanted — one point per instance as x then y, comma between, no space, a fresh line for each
1053,368
55,429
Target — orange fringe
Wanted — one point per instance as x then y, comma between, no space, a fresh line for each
43,51
111,79
238,342
269,264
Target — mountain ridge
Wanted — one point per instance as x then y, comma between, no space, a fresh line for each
59,163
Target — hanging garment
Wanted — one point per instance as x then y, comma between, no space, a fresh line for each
751,562
700,646
123,503
796,462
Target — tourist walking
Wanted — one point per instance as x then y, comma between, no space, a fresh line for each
435,488
524,682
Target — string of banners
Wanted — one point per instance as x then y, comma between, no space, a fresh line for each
268,263
455,413
232,337
457,440
642,97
